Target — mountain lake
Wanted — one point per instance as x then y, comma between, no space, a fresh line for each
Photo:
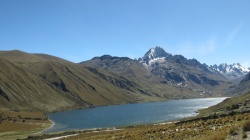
128,114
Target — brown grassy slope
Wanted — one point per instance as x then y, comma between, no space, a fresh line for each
19,57
80,83
47,57
20,89
69,81
17,125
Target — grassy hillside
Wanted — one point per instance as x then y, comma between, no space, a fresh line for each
20,89
19,57
80,83
48,83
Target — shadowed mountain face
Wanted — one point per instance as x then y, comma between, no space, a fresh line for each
243,87
246,81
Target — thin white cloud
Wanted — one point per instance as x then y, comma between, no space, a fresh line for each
233,34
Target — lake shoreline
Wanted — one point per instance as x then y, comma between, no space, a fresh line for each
177,117
62,134
52,124
201,129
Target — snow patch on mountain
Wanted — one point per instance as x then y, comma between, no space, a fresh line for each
159,60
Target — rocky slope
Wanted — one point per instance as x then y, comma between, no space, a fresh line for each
176,70
158,55
132,70
246,80
243,87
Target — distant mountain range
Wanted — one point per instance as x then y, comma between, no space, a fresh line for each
157,58
158,55
45,82
231,71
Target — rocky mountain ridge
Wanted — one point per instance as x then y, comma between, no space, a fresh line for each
231,71
175,71
158,55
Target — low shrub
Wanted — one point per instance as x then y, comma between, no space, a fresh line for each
244,135
233,131
246,126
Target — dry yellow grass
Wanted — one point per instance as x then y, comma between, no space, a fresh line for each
6,126
16,125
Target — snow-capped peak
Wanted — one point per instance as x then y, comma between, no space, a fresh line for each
232,71
156,54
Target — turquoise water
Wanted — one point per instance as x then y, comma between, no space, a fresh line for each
129,114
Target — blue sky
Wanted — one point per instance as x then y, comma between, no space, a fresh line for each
212,31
